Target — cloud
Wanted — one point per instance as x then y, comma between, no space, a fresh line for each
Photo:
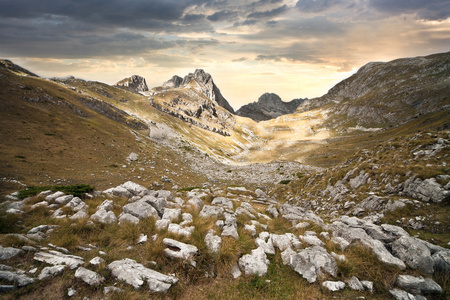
268,13
317,6
240,59
424,9
223,15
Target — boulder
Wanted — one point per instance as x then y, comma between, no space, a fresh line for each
180,230
196,203
96,261
272,211
16,277
223,202
419,284
414,253
441,261
48,272
230,226
158,204
8,252
125,217
254,263
355,284
311,239
89,277
141,210
171,214
402,295
281,241
211,211
63,199
105,217
311,262
265,242
81,214
136,274
51,198
245,212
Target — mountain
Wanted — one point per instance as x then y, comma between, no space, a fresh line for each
383,94
292,207
204,83
134,83
10,66
269,106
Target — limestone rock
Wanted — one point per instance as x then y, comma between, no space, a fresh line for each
8,252
63,199
51,198
125,217
141,210
179,250
265,242
57,258
334,285
230,226
89,277
96,261
211,211
311,261
81,214
196,203
414,253
136,274
418,284
171,214
355,284
441,261
223,202
254,263
272,211
180,230
48,272
213,242
105,217
15,277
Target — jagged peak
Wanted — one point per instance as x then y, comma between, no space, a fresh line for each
135,83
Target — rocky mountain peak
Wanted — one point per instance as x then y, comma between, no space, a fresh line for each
268,106
134,83
10,66
204,83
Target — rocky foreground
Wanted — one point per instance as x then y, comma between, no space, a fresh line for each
199,225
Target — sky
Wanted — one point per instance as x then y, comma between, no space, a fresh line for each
294,48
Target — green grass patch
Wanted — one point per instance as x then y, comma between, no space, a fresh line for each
77,190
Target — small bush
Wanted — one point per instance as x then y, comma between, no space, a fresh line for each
77,190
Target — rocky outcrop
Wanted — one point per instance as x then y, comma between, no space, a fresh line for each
204,83
269,106
135,83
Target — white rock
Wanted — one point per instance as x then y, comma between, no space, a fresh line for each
105,217
57,258
50,198
8,252
63,199
251,229
211,211
81,214
213,242
334,285
235,272
96,261
141,210
89,277
178,229
48,272
135,274
179,250
142,238
223,202
106,205
281,242
171,214
355,284
254,263
124,217
418,284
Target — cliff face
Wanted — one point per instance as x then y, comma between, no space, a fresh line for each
390,93
134,83
268,106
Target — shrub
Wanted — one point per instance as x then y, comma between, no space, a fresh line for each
77,190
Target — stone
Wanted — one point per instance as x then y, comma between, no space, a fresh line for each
162,224
48,272
39,204
255,263
141,210
441,261
338,257
235,272
111,289
107,205
196,203
265,242
89,277
51,198
402,295
395,230
81,214
125,217
133,157
187,219
71,292
180,230
134,188
96,261
230,226
286,256
179,250
272,211
414,253
6,288
249,208
211,211
223,202
172,214
142,238
334,285
8,252
368,285
41,228
310,262
260,194
16,277
311,240
104,217
213,242
63,199
280,241
251,229
57,258
355,284
419,284
136,274
245,212
158,204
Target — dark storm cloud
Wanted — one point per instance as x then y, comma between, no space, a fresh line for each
424,9
223,15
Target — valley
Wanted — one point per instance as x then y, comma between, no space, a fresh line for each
345,196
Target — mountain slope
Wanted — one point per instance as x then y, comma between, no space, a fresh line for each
387,94
269,106
135,83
